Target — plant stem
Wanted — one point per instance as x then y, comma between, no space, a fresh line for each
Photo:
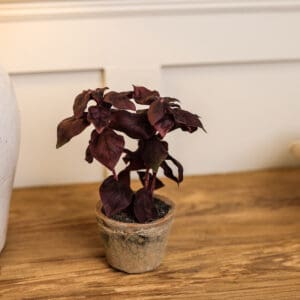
115,174
147,177
153,182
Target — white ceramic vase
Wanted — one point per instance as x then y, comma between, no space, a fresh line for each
9,148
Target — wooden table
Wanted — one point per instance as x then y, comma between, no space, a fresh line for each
235,237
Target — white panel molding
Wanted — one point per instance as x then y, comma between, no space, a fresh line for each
163,66
22,10
217,63
56,71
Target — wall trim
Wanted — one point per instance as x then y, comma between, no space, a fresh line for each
168,66
217,63
30,10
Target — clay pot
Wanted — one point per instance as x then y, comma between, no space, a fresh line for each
134,247
9,148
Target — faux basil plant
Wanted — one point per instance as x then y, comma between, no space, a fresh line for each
111,112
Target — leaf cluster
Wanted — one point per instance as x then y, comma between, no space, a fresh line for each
112,113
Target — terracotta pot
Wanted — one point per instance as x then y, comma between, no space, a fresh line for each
134,247
9,148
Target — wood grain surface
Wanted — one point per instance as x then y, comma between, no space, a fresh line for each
235,237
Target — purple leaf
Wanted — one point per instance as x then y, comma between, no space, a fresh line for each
179,168
169,172
124,177
165,115
160,118
142,95
88,155
153,152
164,126
143,205
186,120
107,147
115,196
141,111
70,127
81,101
97,95
173,102
120,100
99,116
134,125
134,159
157,111
160,108
158,183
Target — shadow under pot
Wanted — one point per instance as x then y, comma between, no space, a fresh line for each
135,247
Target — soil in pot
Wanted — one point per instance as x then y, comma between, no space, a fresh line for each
162,209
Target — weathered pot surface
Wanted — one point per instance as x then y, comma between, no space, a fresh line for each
134,247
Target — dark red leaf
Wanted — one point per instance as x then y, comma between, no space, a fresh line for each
173,102
153,152
165,115
143,205
169,172
88,155
141,111
107,147
115,196
134,125
165,125
158,183
186,120
157,111
124,177
160,118
160,108
81,101
99,116
97,95
120,100
179,167
70,127
142,95
134,159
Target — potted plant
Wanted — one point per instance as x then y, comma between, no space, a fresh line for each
133,225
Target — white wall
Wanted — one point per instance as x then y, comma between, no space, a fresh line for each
251,113
44,100
236,63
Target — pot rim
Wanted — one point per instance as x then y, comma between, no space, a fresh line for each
114,223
